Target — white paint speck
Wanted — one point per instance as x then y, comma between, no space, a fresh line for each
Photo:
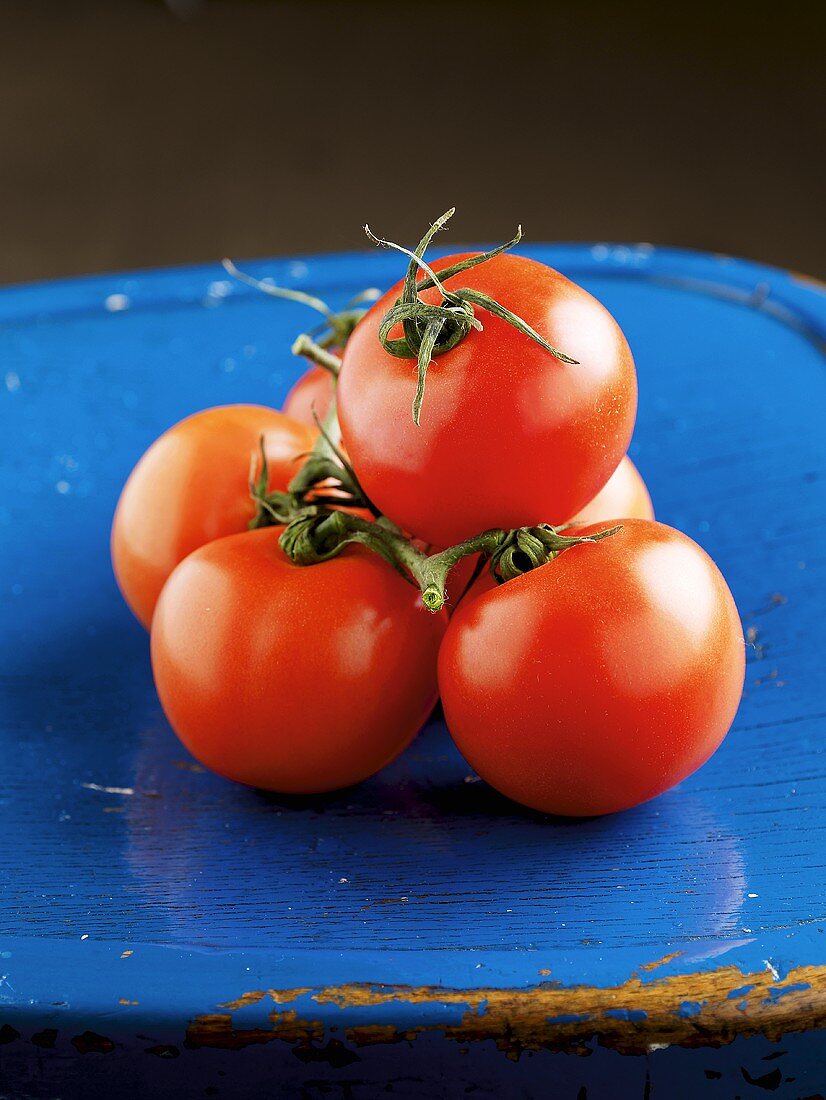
85,936
344,880
221,288
753,895
657,1046
63,487
12,381
108,790
772,969
116,303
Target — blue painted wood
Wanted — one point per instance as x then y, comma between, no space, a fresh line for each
140,893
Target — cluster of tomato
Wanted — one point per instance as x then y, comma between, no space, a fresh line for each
590,670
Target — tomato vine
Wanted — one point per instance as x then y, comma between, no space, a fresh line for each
316,527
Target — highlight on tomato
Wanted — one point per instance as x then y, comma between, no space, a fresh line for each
192,486
597,681
525,400
290,678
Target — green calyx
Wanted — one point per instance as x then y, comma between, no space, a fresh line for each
321,535
310,510
526,548
326,479
431,330
325,482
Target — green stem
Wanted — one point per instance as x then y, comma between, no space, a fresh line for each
317,535
434,570
340,325
318,304
325,461
329,429
429,571
306,346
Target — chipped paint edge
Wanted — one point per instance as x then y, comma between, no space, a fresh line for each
710,1008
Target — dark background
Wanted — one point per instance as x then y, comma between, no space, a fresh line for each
138,133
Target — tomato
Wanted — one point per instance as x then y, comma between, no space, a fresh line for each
312,393
623,496
599,680
191,486
509,436
294,679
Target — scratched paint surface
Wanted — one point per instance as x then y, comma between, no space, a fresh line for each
115,841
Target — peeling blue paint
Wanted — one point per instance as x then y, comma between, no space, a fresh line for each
740,991
690,1008
779,991
632,1015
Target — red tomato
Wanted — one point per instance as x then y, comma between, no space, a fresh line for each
312,393
599,680
623,496
294,679
191,486
509,435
